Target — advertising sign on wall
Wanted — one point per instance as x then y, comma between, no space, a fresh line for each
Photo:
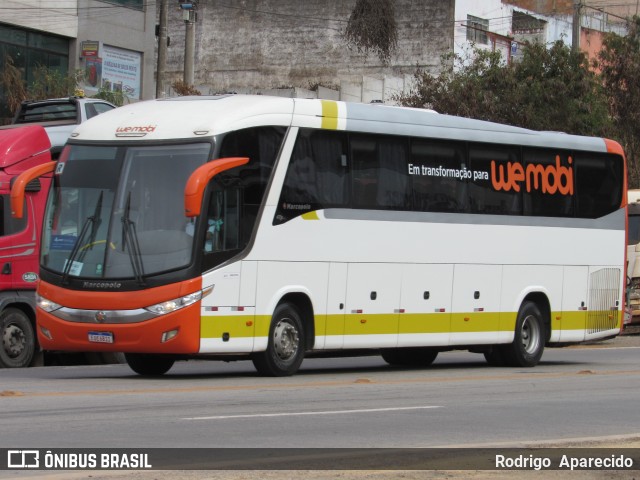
121,71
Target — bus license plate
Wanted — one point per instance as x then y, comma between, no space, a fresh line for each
101,337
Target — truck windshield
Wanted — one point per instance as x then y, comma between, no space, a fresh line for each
118,212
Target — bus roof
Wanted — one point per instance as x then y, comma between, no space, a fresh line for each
205,116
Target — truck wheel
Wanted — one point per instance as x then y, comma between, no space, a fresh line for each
285,349
18,345
528,343
148,364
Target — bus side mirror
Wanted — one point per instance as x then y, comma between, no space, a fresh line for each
194,190
21,183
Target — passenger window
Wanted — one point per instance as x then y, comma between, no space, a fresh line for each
435,170
317,175
598,183
549,183
493,189
380,178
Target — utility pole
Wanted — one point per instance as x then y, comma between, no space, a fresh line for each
575,32
162,47
189,14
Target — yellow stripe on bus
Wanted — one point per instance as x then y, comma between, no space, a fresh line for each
243,326
329,115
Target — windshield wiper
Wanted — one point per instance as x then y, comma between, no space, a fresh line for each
130,240
94,221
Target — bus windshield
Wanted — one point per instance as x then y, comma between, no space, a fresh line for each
118,211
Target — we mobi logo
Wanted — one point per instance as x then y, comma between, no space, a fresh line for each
551,179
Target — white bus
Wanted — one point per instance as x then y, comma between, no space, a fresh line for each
236,226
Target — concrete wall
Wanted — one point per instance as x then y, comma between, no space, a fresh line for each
290,43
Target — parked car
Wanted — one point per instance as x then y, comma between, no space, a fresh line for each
60,116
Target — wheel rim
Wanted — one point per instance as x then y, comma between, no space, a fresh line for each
530,334
286,340
14,340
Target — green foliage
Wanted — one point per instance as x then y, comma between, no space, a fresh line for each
619,65
372,27
548,89
117,98
51,83
12,84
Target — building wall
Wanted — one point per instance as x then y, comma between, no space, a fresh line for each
83,20
290,43
59,17
121,27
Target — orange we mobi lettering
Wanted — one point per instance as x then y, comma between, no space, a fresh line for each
549,179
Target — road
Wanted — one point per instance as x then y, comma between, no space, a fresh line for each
576,395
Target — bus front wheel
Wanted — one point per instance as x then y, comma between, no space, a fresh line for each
147,364
528,343
285,348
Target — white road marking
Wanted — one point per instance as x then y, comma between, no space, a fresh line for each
326,412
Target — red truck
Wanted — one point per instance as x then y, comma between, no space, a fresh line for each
20,148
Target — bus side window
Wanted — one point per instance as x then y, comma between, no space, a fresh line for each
598,183
380,178
484,198
434,190
537,202
316,176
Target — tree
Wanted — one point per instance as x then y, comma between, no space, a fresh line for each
52,83
12,82
372,27
548,89
619,65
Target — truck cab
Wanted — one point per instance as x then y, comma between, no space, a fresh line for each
20,149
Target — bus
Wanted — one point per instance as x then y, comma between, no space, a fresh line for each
253,227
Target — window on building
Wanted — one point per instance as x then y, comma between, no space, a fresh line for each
137,4
477,30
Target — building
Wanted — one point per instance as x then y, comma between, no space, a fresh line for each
261,45
112,41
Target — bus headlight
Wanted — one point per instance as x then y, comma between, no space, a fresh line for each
176,304
46,305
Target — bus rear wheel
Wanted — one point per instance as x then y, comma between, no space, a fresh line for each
410,357
149,365
285,348
17,339
528,343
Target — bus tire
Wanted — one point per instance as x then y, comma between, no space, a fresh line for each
410,357
17,339
148,364
285,348
528,343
